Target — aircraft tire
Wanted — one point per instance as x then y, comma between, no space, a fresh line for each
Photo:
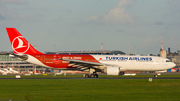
86,75
95,75
92,75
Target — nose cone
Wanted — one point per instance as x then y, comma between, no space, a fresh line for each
173,64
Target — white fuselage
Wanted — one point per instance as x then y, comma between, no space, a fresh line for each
125,62
136,63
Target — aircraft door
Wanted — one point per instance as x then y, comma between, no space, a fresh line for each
43,58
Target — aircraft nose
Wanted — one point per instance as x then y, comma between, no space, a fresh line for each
173,64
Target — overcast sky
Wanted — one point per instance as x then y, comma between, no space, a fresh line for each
74,25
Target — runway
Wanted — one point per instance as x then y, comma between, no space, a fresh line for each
101,78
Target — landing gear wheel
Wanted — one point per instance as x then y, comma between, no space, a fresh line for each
86,75
95,76
92,75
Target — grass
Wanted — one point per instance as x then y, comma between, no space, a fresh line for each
89,89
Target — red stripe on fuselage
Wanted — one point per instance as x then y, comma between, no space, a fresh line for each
51,60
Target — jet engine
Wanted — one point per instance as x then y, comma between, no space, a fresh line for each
112,70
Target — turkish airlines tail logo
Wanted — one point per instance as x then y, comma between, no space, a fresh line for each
19,43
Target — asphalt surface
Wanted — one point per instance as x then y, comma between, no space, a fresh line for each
102,78
133,77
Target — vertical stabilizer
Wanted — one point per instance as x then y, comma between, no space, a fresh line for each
19,43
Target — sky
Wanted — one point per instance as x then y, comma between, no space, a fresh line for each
132,26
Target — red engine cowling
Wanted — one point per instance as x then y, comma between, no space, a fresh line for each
112,70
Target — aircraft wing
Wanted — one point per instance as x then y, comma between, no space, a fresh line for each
84,63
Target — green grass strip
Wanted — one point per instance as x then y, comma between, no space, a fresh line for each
89,90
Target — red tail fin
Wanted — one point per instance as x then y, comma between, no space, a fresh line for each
19,43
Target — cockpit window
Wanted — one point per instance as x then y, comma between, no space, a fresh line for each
168,61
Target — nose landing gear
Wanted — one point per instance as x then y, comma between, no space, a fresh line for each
156,75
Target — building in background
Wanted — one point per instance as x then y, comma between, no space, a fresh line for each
163,53
97,52
174,57
12,63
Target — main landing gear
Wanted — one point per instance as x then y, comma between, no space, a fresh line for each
91,75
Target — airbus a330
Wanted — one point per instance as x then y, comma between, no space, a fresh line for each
109,64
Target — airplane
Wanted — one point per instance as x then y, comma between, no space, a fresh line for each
109,64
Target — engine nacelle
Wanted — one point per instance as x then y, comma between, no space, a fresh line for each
112,70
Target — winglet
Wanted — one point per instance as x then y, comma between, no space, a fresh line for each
19,44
